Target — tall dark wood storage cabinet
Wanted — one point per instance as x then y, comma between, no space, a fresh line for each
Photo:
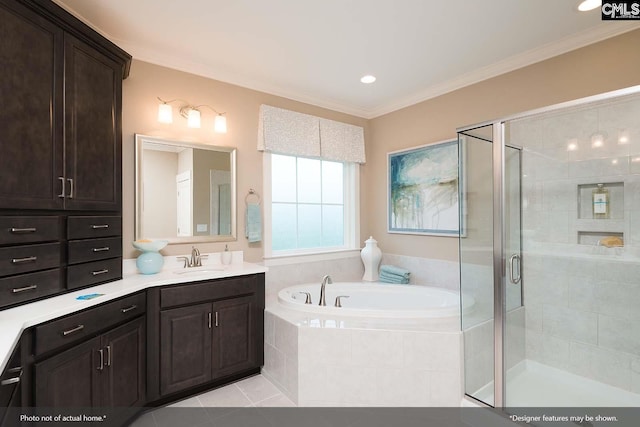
60,137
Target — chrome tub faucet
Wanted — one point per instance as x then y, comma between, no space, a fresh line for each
325,280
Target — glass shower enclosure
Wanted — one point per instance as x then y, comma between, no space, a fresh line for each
550,253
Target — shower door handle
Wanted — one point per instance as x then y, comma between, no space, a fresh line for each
513,261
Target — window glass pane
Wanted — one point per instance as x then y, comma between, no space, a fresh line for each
308,180
332,182
309,226
283,178
332,225
283,226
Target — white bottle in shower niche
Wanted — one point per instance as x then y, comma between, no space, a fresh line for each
371,256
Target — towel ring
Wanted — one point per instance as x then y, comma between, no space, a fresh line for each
252,192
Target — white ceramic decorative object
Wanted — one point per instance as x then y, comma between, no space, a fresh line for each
371,256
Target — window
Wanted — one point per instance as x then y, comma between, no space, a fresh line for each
312,207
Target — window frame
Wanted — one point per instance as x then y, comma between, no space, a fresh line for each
351,229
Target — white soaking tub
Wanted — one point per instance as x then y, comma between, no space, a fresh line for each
375,300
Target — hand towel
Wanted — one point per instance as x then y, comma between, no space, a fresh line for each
253,220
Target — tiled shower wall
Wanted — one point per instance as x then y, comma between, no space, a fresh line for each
582,300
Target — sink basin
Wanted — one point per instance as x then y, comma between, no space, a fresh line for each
200,270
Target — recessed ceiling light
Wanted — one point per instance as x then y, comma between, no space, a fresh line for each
368,79
589,5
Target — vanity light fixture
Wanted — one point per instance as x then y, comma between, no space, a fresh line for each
191,113
587,5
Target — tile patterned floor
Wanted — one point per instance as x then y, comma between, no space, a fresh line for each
255,391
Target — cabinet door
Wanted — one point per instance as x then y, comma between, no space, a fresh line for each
93,134
31,54
125,362
234,336
71,378
185,347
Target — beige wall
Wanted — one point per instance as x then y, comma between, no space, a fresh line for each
602,67
139,115
605,66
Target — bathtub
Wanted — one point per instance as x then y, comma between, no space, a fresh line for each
376,300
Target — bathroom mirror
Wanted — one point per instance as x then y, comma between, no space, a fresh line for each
185,192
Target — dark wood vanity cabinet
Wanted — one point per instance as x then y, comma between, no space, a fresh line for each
92,359
93,134
31,118
61,139
205,332
11,389
60,125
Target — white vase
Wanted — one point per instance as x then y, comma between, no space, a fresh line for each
371,256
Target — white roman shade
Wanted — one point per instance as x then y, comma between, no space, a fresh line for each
292,133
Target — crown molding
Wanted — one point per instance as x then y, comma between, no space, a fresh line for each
593,35
547,51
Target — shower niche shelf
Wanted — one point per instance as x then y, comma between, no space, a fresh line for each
593,238
616,201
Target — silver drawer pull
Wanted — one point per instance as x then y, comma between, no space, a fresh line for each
99,272
10,381
62,193
73,330
23,230
106,248
96,227
26,288
70,180
128,309
101,366
26,259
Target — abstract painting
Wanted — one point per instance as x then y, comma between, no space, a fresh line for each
423,190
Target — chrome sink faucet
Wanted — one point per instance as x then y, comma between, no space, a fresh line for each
325,280
195,260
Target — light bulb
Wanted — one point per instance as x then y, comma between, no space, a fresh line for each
193,118
220,124
165,113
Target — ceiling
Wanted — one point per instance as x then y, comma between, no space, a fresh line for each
316,51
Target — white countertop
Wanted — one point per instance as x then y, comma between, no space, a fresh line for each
14,321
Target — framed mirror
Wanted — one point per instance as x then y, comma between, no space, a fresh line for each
185,192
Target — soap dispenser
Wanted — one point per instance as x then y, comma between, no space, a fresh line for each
226,255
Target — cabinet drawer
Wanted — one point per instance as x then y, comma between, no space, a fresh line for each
94,249
86,227
206,291
78,326
29,229
93,272
23,259
29,286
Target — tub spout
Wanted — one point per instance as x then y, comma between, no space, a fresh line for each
325,280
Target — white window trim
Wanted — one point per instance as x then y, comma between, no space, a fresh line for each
351,247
